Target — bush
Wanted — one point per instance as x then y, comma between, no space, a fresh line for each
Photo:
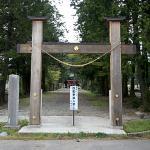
23,123
146,103
133,102
136,102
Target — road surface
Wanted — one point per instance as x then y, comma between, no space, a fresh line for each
74,145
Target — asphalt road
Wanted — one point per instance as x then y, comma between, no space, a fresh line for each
74,145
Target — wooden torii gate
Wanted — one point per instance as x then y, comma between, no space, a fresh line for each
115,64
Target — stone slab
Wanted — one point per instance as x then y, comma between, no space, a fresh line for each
5,118
12,127
63,124
13,100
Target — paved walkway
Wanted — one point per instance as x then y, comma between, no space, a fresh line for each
63,124
73,145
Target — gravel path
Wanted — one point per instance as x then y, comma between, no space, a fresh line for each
57,104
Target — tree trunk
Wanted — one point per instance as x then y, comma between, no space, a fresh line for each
125,85
26,84
3,80
143,78
106,86
2,91
132,93
43,79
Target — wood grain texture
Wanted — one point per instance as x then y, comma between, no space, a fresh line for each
69,48
115,75
36,58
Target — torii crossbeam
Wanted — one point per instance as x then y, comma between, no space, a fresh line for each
69,48
37,45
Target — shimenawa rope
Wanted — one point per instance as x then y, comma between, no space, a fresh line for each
82,65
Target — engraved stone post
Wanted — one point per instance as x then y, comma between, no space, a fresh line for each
36,60
13,100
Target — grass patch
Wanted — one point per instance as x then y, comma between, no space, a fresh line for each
99,103
53,136
48,93
96,100
9,131
132,102
24,102
90,94
137,126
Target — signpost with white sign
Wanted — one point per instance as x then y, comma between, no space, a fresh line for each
73,99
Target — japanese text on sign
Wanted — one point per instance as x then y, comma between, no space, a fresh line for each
73,97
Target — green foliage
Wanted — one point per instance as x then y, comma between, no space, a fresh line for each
100,135
133,102
23,123
136,103
137,25
13,132
96,100
82,135
135,29
93,28
9,131
146,103
55,74
99,103
24,102
146,24
137,126
16,28
52,77
91,19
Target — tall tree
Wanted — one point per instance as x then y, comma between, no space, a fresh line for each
137,12
134,30
16,28
93,28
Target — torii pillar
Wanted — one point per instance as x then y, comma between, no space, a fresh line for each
115,72
115,64
36,67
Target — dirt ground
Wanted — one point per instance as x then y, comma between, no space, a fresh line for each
57,104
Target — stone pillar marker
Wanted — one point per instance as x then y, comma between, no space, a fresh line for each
115,72
13,101
36,61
